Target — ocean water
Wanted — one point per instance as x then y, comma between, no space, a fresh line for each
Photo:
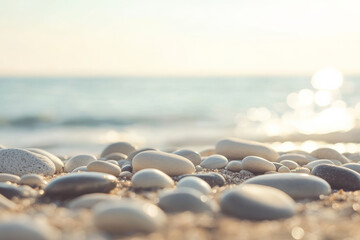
79,115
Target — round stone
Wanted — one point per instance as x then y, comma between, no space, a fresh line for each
33,180
115,156
20,162
298,158
195,183
151,178
214,162
118,147
78,161
128,215
297,186
284,169
171,164
338,177
193,156
257,202
104,167
352,166
88,201
76,184
328,153
213,179
315,163
186,199
234,166
59,165
257,164
6,177
290,164
234,148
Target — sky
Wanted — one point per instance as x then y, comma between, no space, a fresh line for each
178,38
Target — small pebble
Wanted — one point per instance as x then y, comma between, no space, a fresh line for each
126,174
284,169
80,169
7,177
301,170
127,167
234,166
104,167
290,164
118,147
195,183
33,180
193,156
214,162
257,164
328,153
151,178
315,163
115,156
213,179
298,158
78,161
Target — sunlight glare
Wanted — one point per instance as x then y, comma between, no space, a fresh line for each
323,98
327,79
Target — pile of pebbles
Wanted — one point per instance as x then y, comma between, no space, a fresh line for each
127,191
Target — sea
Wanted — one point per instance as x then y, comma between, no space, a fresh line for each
74,115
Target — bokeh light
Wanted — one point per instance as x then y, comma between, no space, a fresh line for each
327,79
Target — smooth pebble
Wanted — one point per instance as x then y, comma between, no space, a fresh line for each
195,183
78,161
118,147
234,166
329,153
214,162
33,180
104,167
213,179
315,163
88,201
257,164
284,169
193,156
290,164
59,165
151,178
7,177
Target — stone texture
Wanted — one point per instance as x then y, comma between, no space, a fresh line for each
59,165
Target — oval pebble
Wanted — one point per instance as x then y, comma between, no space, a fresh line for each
7,177
118,147
329,153
88,201
104,167
234,148
352,166
76,184
257,164
126,175
290,164
213,179
193,156
315,163
20,162
78,161
33,180
298,158
284,169
297,186
59,165
171,164
151,178
128,215
214,162
234,166
257,202
195,183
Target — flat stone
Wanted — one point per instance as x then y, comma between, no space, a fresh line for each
20,162
234,148
257,202
151,178
7,177
315,163
78,161
59,165
115,156
213,179
298,158
352,166
195,183
214,162
88,201
234,166
298,186
171,164
11,191
33,180
338,177
290,164
193,156
257,164
128,215
134,153
186,199
118,147
6,203
77,184
329,153
104,167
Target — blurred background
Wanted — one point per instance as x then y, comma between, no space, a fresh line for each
77,75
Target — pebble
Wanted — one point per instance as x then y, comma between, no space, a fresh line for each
301,170
124,162
297,186
118,147
193,156
128,215
290,164
352,166
257,164
257,202
270,172
151,178
315,163
214,162
11,191
6,203
338,177
234,148
207,152
213,179
234,166
88,201
33,180
134,153
59,165
78,161
126,174
115,156
171,164
113,162
198,168
284,169
195,183
277,165
76,184
80,169
7,177
329,153
298,158
20,162
186,199
127,167
104,167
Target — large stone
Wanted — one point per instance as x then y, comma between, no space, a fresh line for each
257,202
329,153
78,161
297,186
151,178
59,165
257,164
20,162
214,162
171,164
237,149
118,147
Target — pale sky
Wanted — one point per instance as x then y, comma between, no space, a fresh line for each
178,37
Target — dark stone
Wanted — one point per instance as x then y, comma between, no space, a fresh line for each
213,179
338,177
126,167
77,184
11,191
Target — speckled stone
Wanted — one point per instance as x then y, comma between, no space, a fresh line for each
234,148
151,178
118,147
195,183
11,191
257,202
352,166
59,165
213,179
78,161
214,162
128,215
328,153
193,156
33,180
20,162
257,164
338,177
76,184
234,166
88,201
104,167
7,177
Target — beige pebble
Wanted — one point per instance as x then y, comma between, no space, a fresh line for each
7,177
59,165
118,147
284,169
115,156
78,161
328,153
113,162
104,167
125,174
88,201
214,162
195,183
234,166
270,172
151,178
80,169
298,158
256,164
207,152
33,180
290,164
301,170
198,168
193,156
